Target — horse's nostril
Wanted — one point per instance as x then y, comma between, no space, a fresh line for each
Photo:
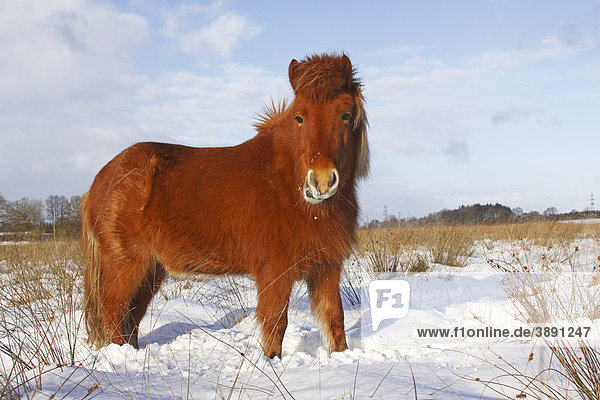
311,178
334,179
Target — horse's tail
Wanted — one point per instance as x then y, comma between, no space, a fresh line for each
92,279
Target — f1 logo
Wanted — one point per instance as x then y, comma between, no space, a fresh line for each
388,299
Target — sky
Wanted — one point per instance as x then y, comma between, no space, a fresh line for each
468,101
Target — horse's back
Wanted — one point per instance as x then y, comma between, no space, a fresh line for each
181,204
115,203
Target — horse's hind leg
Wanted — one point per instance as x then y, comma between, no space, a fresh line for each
121,282
140,301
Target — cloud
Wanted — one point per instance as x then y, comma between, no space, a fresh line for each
65,75
423,102
578,35
198,29
72,30
207,110
413,130
516,114
456,151
71,97
550,48
222,36
512,114
54,47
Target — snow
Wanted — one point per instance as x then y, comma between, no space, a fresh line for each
199,339
582,221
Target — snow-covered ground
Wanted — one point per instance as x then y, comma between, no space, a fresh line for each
583,221
199,339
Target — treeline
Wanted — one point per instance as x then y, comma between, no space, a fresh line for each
475,214
482,214
57,216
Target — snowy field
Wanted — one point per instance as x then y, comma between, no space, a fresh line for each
199,339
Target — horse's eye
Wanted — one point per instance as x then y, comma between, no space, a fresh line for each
299,119
346,116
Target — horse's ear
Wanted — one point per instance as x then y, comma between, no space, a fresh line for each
292,73
346,67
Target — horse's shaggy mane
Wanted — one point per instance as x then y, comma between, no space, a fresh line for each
322,78
271,114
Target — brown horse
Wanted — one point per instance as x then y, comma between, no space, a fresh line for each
281,207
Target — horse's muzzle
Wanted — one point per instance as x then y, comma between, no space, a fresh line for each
320,185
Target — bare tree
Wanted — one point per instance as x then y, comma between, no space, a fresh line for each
57,208
72,212
3,211
550,211
25,214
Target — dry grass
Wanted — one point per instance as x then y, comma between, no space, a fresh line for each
581,366
41,253
39,318
543,233
413,248
40,293
410,248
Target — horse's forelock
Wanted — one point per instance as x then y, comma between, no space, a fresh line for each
323,77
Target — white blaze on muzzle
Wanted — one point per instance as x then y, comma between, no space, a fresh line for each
320,185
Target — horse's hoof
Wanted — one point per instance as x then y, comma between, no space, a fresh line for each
274,354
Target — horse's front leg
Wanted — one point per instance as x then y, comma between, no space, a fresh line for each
272,309
326,305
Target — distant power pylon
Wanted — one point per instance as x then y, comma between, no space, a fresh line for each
592,206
